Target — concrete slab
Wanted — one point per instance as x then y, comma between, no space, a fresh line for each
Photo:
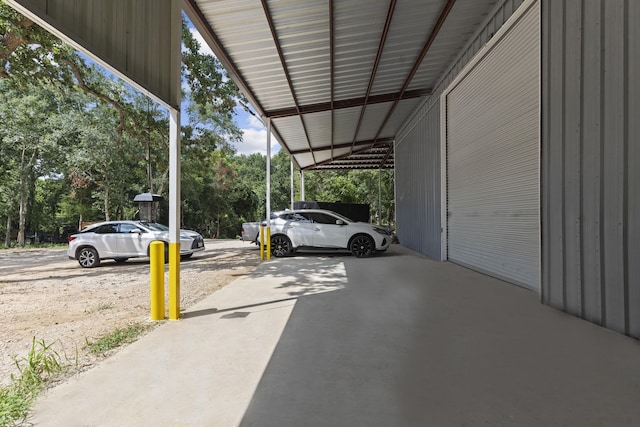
395,340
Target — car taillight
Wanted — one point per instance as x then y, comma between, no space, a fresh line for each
71,238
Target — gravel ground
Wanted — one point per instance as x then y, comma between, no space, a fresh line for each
45,295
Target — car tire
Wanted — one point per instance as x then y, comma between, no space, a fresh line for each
280,246
186,256
88,257
362,246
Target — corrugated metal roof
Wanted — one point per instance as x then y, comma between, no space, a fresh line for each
337,78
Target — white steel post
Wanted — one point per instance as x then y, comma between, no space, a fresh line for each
174,214
292,188
268,188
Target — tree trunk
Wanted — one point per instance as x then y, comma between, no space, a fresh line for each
26,172
22,215
106,204
7,237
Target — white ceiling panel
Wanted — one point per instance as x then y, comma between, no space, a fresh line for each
338,78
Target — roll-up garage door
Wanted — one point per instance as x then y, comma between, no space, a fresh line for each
492,143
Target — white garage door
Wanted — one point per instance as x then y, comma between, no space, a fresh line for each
492,152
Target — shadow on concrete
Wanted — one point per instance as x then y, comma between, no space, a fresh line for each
422,343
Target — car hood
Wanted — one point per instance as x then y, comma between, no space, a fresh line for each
183,234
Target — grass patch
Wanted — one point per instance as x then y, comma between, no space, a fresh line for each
14,245
117,338
40,366
105,306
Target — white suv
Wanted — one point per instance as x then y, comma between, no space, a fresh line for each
319,228
121,240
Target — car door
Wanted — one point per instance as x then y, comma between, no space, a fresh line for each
326,232
131,240
298,227
105,240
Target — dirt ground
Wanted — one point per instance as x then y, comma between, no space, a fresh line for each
45,295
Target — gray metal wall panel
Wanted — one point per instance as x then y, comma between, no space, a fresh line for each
422,150
493,202
632,169
132,36
590,179
418,184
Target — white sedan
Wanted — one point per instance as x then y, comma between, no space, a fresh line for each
319,228
121,240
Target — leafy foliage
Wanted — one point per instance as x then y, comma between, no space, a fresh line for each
76,146
38,368
117,338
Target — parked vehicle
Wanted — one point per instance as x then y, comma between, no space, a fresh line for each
121,240
250,232
318,228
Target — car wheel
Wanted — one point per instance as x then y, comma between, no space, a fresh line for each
88,258
280,246
186,256
362,246
120,260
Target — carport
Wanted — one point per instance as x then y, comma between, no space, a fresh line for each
380,84
404,339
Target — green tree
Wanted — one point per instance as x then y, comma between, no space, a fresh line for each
28,151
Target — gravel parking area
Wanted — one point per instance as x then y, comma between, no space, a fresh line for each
45,295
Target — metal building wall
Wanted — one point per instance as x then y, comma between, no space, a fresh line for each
140,39
418,183
417,150
591,155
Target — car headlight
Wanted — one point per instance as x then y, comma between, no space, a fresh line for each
382,231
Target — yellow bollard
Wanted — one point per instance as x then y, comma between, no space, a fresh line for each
268,243
261,243
174,281
156,253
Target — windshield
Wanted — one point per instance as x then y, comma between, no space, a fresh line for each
342,217
155,226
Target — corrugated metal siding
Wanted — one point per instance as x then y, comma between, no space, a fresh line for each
303,32
496,19
418,183
417,153
357,23
243,29
493,200
133,37
591,153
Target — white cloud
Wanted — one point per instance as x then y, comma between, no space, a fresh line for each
255,122
255,141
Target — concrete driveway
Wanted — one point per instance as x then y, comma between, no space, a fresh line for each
395,340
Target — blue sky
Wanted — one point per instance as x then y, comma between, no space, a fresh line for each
254,131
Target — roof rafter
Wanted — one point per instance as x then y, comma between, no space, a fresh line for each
347,103
204,28
368,144
355,155
283,62
427,45
374,70
332,67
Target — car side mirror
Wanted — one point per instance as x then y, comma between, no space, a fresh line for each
339,222
136,231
